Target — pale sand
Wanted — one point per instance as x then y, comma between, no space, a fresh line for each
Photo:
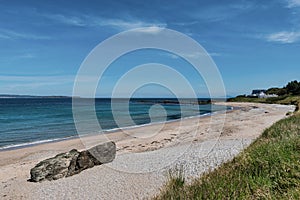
142,161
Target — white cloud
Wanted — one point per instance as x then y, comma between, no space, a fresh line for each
70,20
92,21
46,79
150,29
13,84
214,54
194,55
221,12
200,54
26,56
284,37
131,24
293,3
118,23
187,23
10,34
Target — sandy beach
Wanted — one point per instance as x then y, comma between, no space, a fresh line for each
144,155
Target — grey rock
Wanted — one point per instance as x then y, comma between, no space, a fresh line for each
104,153
53,168
73,162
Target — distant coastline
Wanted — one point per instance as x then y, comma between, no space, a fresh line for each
7,96
159,100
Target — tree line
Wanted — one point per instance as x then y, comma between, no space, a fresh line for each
292,88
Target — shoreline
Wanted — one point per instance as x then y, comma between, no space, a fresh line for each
198,144
76,142
109,131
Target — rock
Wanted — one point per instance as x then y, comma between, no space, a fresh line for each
84,161
73,162
53,168
104,153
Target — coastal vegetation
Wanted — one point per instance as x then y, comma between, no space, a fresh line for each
285,100
268,169
292,88
287,95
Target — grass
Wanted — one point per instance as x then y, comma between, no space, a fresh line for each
268,169
286,100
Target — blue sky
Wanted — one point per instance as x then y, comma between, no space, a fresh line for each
255,44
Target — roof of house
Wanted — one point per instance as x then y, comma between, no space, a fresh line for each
258,91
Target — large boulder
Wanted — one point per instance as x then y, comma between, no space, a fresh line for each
104,153
73,162
53,168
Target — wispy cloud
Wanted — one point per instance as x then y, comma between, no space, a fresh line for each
284,37
45,79
187,23
69,20
293,3
14,84
4,36
93,21
199,54
28,84
194,55
149,30
10,34
26,56
130,24
34,85
214,54
219,12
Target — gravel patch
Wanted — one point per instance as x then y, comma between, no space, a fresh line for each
134,176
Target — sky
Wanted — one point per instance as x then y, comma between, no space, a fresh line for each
255,44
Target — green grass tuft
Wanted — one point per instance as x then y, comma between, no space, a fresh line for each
174,185
268,169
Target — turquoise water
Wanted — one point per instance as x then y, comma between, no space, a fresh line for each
35,120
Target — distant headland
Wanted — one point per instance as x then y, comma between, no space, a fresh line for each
29,96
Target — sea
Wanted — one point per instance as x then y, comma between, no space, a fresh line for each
30,121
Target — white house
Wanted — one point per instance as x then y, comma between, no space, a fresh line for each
262,94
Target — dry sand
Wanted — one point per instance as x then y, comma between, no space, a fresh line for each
144,156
